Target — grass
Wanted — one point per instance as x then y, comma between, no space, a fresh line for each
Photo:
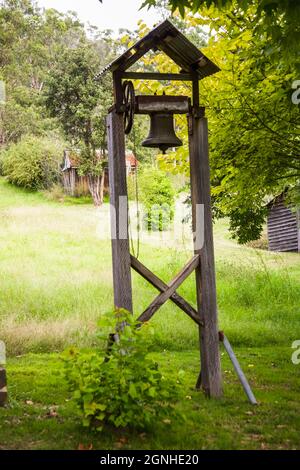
41,415
55,275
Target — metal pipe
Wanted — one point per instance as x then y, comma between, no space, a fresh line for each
238,369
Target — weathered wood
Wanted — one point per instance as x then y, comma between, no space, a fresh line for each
205,272
195,93
119,212
145,104
167,38
3,389
118,92
298,226
185,77
136,52
162,287
283,227
167,293
2,377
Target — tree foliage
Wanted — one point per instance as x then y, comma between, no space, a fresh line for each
40,47
33,162
253,121
157,195
31,41
80,104
72,94
280,20
254,125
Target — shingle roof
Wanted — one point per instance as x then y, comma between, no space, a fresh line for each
168,39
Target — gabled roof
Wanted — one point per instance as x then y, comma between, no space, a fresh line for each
131,160
71,160
168,39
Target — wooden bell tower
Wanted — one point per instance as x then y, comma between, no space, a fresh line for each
194,66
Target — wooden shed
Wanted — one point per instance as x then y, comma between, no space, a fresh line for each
283,225
74,184
131,163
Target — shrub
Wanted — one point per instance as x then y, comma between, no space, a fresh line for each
261,244
56,193
157,195
32,163
124,386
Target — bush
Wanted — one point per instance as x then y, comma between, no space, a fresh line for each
33,162
124,386
261,244
157,195
56,193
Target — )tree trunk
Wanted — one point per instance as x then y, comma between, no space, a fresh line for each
2,131
101,192
96,187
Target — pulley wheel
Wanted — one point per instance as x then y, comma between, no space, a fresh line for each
129,103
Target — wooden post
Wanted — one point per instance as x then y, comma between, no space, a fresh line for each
119,211
3,389
211,380
298,228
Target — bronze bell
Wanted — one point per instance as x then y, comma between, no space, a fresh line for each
162,134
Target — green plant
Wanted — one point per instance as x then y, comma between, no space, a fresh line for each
79,103
120,385
33,162
157,195
56,193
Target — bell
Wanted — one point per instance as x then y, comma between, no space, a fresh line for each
162,134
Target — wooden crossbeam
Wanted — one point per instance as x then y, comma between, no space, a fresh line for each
157,76
137,53
148,104
156,282
170,290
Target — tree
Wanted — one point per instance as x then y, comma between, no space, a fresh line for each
279,19
254,126
31,40
80,103
36,46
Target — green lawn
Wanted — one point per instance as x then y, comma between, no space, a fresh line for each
41,416
55,275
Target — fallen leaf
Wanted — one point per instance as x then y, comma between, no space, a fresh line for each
121,442
83,447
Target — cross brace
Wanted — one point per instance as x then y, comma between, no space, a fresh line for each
168,291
